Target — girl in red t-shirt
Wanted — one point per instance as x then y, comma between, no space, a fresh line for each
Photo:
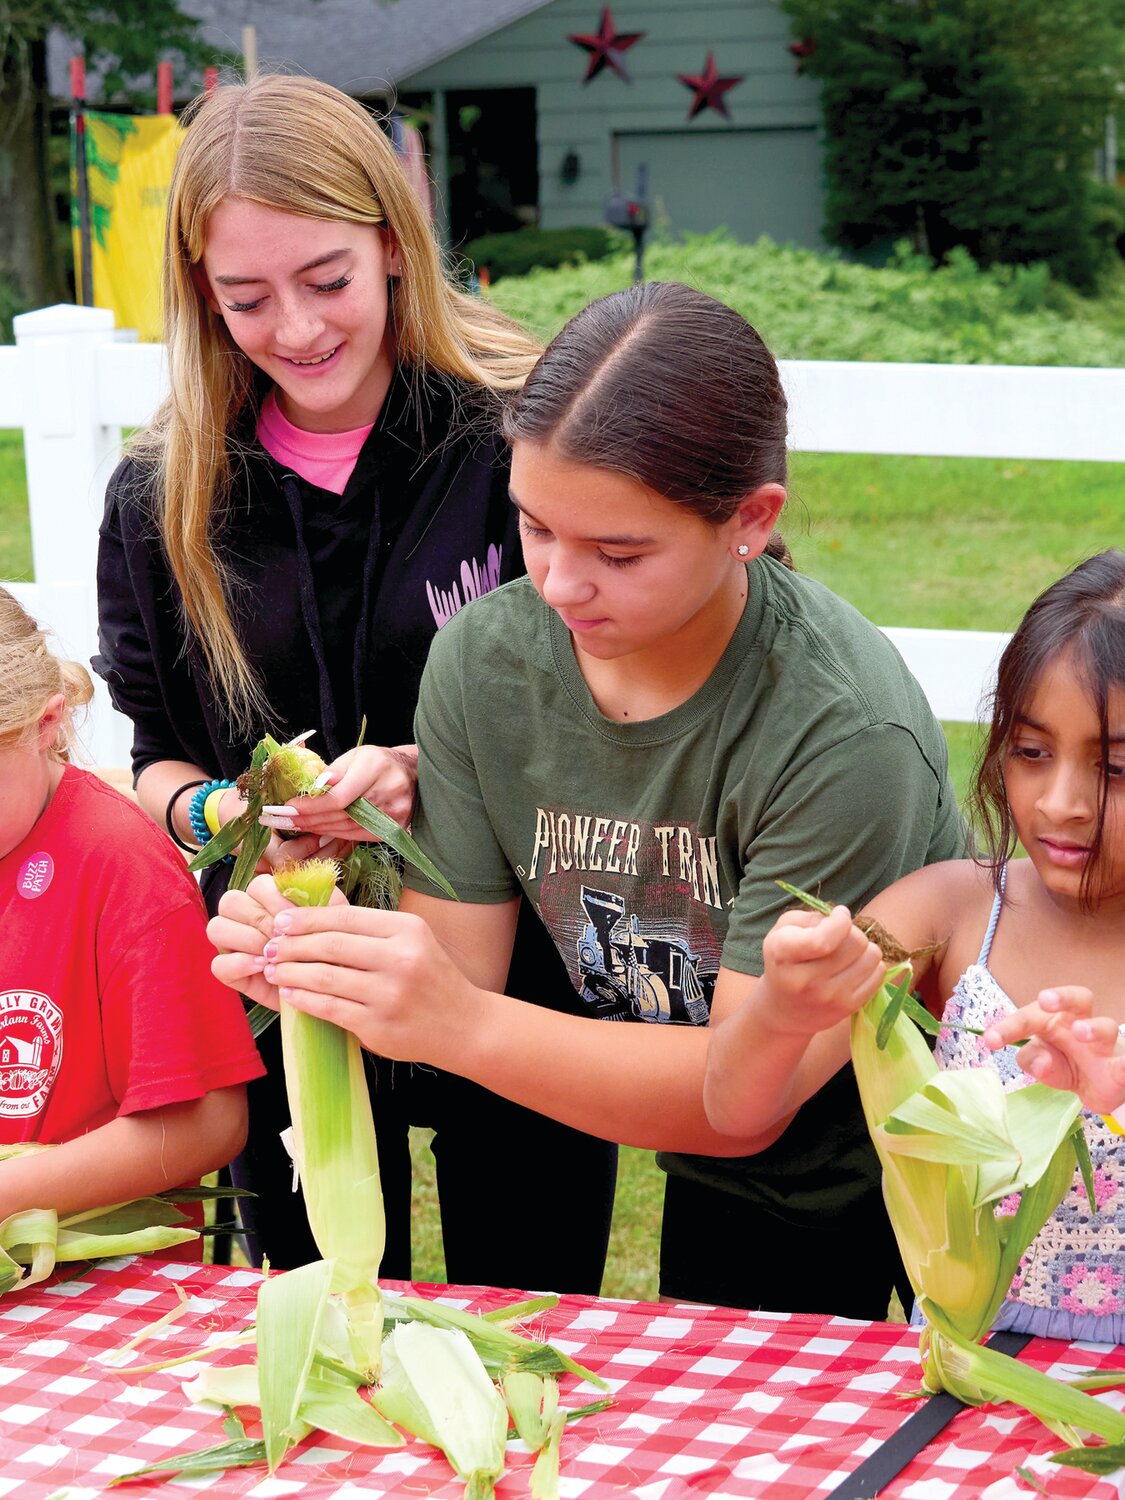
116,1043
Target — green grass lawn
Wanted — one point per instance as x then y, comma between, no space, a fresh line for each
950,543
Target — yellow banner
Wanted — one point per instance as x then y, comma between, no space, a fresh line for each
129,167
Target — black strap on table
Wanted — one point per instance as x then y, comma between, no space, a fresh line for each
892,1456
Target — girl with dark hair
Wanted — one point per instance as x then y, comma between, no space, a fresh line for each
642,736
1047,930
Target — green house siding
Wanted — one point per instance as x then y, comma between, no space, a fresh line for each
758,172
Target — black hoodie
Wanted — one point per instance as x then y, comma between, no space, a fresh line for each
336,597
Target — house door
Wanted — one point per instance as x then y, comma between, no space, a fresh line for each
493,161
750,182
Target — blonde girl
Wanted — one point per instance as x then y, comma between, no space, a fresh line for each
115,1042
323,489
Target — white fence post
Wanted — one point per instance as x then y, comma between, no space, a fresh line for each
70,455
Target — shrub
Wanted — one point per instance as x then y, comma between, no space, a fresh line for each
818,306
522,250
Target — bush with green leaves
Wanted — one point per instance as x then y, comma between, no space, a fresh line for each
809,305
523,250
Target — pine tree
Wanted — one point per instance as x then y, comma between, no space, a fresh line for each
966,122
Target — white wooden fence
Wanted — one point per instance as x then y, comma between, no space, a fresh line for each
72,383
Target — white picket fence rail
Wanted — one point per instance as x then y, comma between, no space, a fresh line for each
72,383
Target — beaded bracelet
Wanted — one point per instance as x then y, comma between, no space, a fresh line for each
171,827
195,808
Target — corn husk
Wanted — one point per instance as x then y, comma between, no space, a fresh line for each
35,1240
277,773
952,1145
435,1386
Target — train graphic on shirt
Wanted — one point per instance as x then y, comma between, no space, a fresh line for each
626,973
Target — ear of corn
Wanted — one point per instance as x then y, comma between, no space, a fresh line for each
334,1140
951,1144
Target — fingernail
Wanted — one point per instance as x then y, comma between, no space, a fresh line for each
283,810
285,993
283,921
324,779
279,825
269,971
325,841
270,950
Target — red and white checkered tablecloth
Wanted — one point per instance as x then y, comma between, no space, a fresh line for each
708,1402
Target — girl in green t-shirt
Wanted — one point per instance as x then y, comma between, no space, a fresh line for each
672,719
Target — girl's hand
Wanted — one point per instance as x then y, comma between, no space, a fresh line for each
1068,1046
382,975
241,930
817,970
386,777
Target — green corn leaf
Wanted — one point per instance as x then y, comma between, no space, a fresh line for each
545,1471
1100,1380
921,1017
290,1309
533,1401
335,1408
377,822
813,902
518,1312
1029,1479
260,1018
253,847
142,1213
241,1453
1085,1165
76,1245
1104,1460
499,1348
897,996
229,836
1002,1378
965,1118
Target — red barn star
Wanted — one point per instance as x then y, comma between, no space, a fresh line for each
606,46
802,50
709,89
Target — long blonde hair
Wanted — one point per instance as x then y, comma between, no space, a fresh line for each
30,676
300,146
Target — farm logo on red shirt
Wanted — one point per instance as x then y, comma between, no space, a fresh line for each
31,1045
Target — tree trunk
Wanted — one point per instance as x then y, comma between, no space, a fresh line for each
28,251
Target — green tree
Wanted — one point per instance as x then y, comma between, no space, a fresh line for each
967,122
122,41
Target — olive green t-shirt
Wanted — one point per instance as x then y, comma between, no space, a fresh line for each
651,850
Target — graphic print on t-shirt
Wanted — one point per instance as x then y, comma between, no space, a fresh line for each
631,907
476,578
31,1046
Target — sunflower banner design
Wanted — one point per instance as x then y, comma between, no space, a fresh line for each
129,167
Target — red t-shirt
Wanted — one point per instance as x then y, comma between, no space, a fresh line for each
107,1001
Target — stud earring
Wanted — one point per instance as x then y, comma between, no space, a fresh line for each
743,550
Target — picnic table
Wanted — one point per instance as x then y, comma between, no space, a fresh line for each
708,1402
